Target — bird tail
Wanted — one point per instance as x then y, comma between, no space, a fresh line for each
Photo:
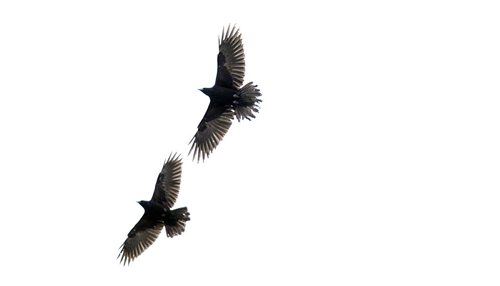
176,222
247,101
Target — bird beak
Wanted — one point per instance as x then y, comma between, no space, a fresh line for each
200,89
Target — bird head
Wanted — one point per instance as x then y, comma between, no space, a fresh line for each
204,90
143,203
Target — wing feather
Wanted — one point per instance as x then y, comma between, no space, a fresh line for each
231,59
211,130
168,182
144,233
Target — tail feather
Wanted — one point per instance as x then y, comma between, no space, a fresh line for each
176,224
247,102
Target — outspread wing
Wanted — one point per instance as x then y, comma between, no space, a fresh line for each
231,59
211,130
139,239
168,182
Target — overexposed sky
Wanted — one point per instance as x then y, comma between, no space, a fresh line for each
374,159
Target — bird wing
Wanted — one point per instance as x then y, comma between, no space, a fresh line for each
168,182
211,130
139,239
231,59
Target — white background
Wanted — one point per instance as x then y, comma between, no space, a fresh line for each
374,159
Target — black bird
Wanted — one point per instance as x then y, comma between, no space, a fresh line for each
227,99
157,213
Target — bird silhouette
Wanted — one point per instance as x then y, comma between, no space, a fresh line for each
157,213
227,99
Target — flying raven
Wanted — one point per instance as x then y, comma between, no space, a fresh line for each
157,213
227,97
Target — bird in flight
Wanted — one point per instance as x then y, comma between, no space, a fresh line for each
227,98
158,213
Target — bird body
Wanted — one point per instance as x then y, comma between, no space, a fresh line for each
153,208
227,98
158,213
220,95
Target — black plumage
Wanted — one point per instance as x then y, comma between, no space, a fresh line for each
227,98
158,213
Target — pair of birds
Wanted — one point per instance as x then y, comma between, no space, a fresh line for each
227,100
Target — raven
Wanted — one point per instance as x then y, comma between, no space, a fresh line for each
157,213
227,99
